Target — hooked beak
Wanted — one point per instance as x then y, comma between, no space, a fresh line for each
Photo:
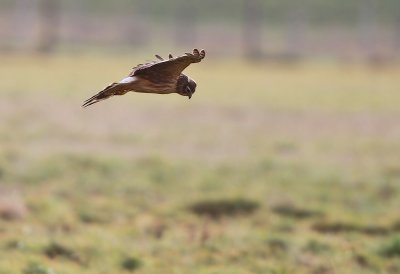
189,92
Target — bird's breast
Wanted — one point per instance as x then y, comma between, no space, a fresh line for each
155,86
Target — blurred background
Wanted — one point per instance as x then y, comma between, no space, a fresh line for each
286,159
283,30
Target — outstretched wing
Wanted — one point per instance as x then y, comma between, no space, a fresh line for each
167,69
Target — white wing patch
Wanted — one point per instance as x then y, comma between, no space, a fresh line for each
127,80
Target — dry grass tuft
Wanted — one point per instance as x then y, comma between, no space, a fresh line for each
224,207
12,205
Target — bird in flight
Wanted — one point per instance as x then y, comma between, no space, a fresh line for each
161,76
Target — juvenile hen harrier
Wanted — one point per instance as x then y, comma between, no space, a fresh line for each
162,77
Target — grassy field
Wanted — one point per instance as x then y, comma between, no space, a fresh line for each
267,169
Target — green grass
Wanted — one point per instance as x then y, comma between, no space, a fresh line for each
267,169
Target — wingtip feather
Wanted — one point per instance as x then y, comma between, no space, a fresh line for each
159,57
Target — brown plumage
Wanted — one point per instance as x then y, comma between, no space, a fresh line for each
162,77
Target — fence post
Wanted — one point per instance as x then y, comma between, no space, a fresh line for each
368,24
22,24
185,28
49,19
252,29
397,32
295,38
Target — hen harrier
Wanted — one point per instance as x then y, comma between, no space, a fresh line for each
162,77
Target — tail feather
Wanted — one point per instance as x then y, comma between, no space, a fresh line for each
91,102
102,95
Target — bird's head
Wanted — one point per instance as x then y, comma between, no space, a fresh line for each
186,86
